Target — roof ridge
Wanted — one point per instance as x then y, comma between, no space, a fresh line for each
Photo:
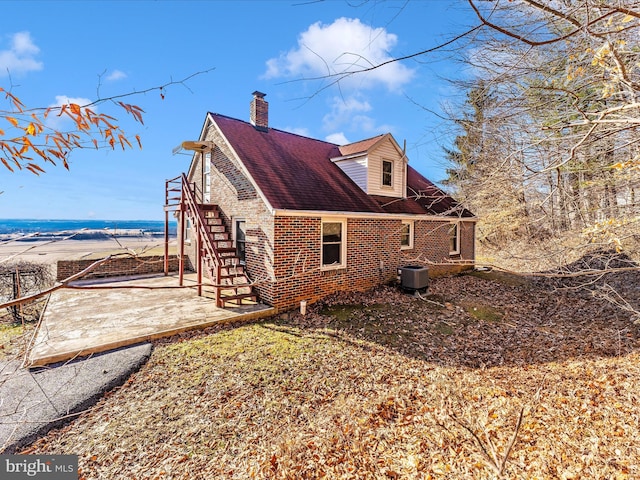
276,129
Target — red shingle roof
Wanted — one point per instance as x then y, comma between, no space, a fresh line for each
359,147
296,173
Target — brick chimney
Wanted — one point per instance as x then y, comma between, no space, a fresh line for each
259,116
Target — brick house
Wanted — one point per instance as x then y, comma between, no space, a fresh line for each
288,218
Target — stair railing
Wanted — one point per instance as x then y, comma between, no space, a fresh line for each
204,239
172,203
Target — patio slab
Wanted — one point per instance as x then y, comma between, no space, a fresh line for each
113,314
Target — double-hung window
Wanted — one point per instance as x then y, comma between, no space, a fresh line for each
240,236
188,231
454,238
406,235
387,173
334,242
207,178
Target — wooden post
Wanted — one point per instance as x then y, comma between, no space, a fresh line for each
218,288
18,295
166,228
183,229
16,292
199,261
166,242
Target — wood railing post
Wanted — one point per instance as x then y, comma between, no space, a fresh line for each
183,229
166,229
166,243
199,260
218,288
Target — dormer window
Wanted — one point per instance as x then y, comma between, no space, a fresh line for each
387,173
377,165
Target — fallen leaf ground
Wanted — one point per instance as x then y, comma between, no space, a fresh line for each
382,385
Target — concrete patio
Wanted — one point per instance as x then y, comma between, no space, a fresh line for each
112,314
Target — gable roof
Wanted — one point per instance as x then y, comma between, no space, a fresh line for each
359,147
363,146
296,173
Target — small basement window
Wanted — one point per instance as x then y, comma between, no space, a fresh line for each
387,173
334,244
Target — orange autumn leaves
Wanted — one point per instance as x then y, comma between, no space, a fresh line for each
31,141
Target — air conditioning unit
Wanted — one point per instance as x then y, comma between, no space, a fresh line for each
414,277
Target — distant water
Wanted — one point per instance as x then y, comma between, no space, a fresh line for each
13,227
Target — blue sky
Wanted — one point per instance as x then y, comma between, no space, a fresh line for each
84,50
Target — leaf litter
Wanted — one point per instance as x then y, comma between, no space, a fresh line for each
383,385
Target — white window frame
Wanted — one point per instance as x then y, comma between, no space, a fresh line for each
390,162
207,178
343,243
234,234
454,226
410,224
187,230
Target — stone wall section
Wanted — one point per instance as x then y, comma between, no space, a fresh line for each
116,267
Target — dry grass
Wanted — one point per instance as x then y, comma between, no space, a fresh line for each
14,337
382,385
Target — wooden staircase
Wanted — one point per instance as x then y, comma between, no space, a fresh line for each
216,255
224,268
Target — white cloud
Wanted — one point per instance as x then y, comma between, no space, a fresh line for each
368,125
19,58
57,122
116,75
346,45
338,138
352,114
343,111
64,100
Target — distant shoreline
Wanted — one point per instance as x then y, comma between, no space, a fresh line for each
32,229
85,235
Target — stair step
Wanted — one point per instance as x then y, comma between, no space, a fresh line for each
236,290
238,298
230,271
227,254
223,243
241,275
230,262
214,221
236,280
